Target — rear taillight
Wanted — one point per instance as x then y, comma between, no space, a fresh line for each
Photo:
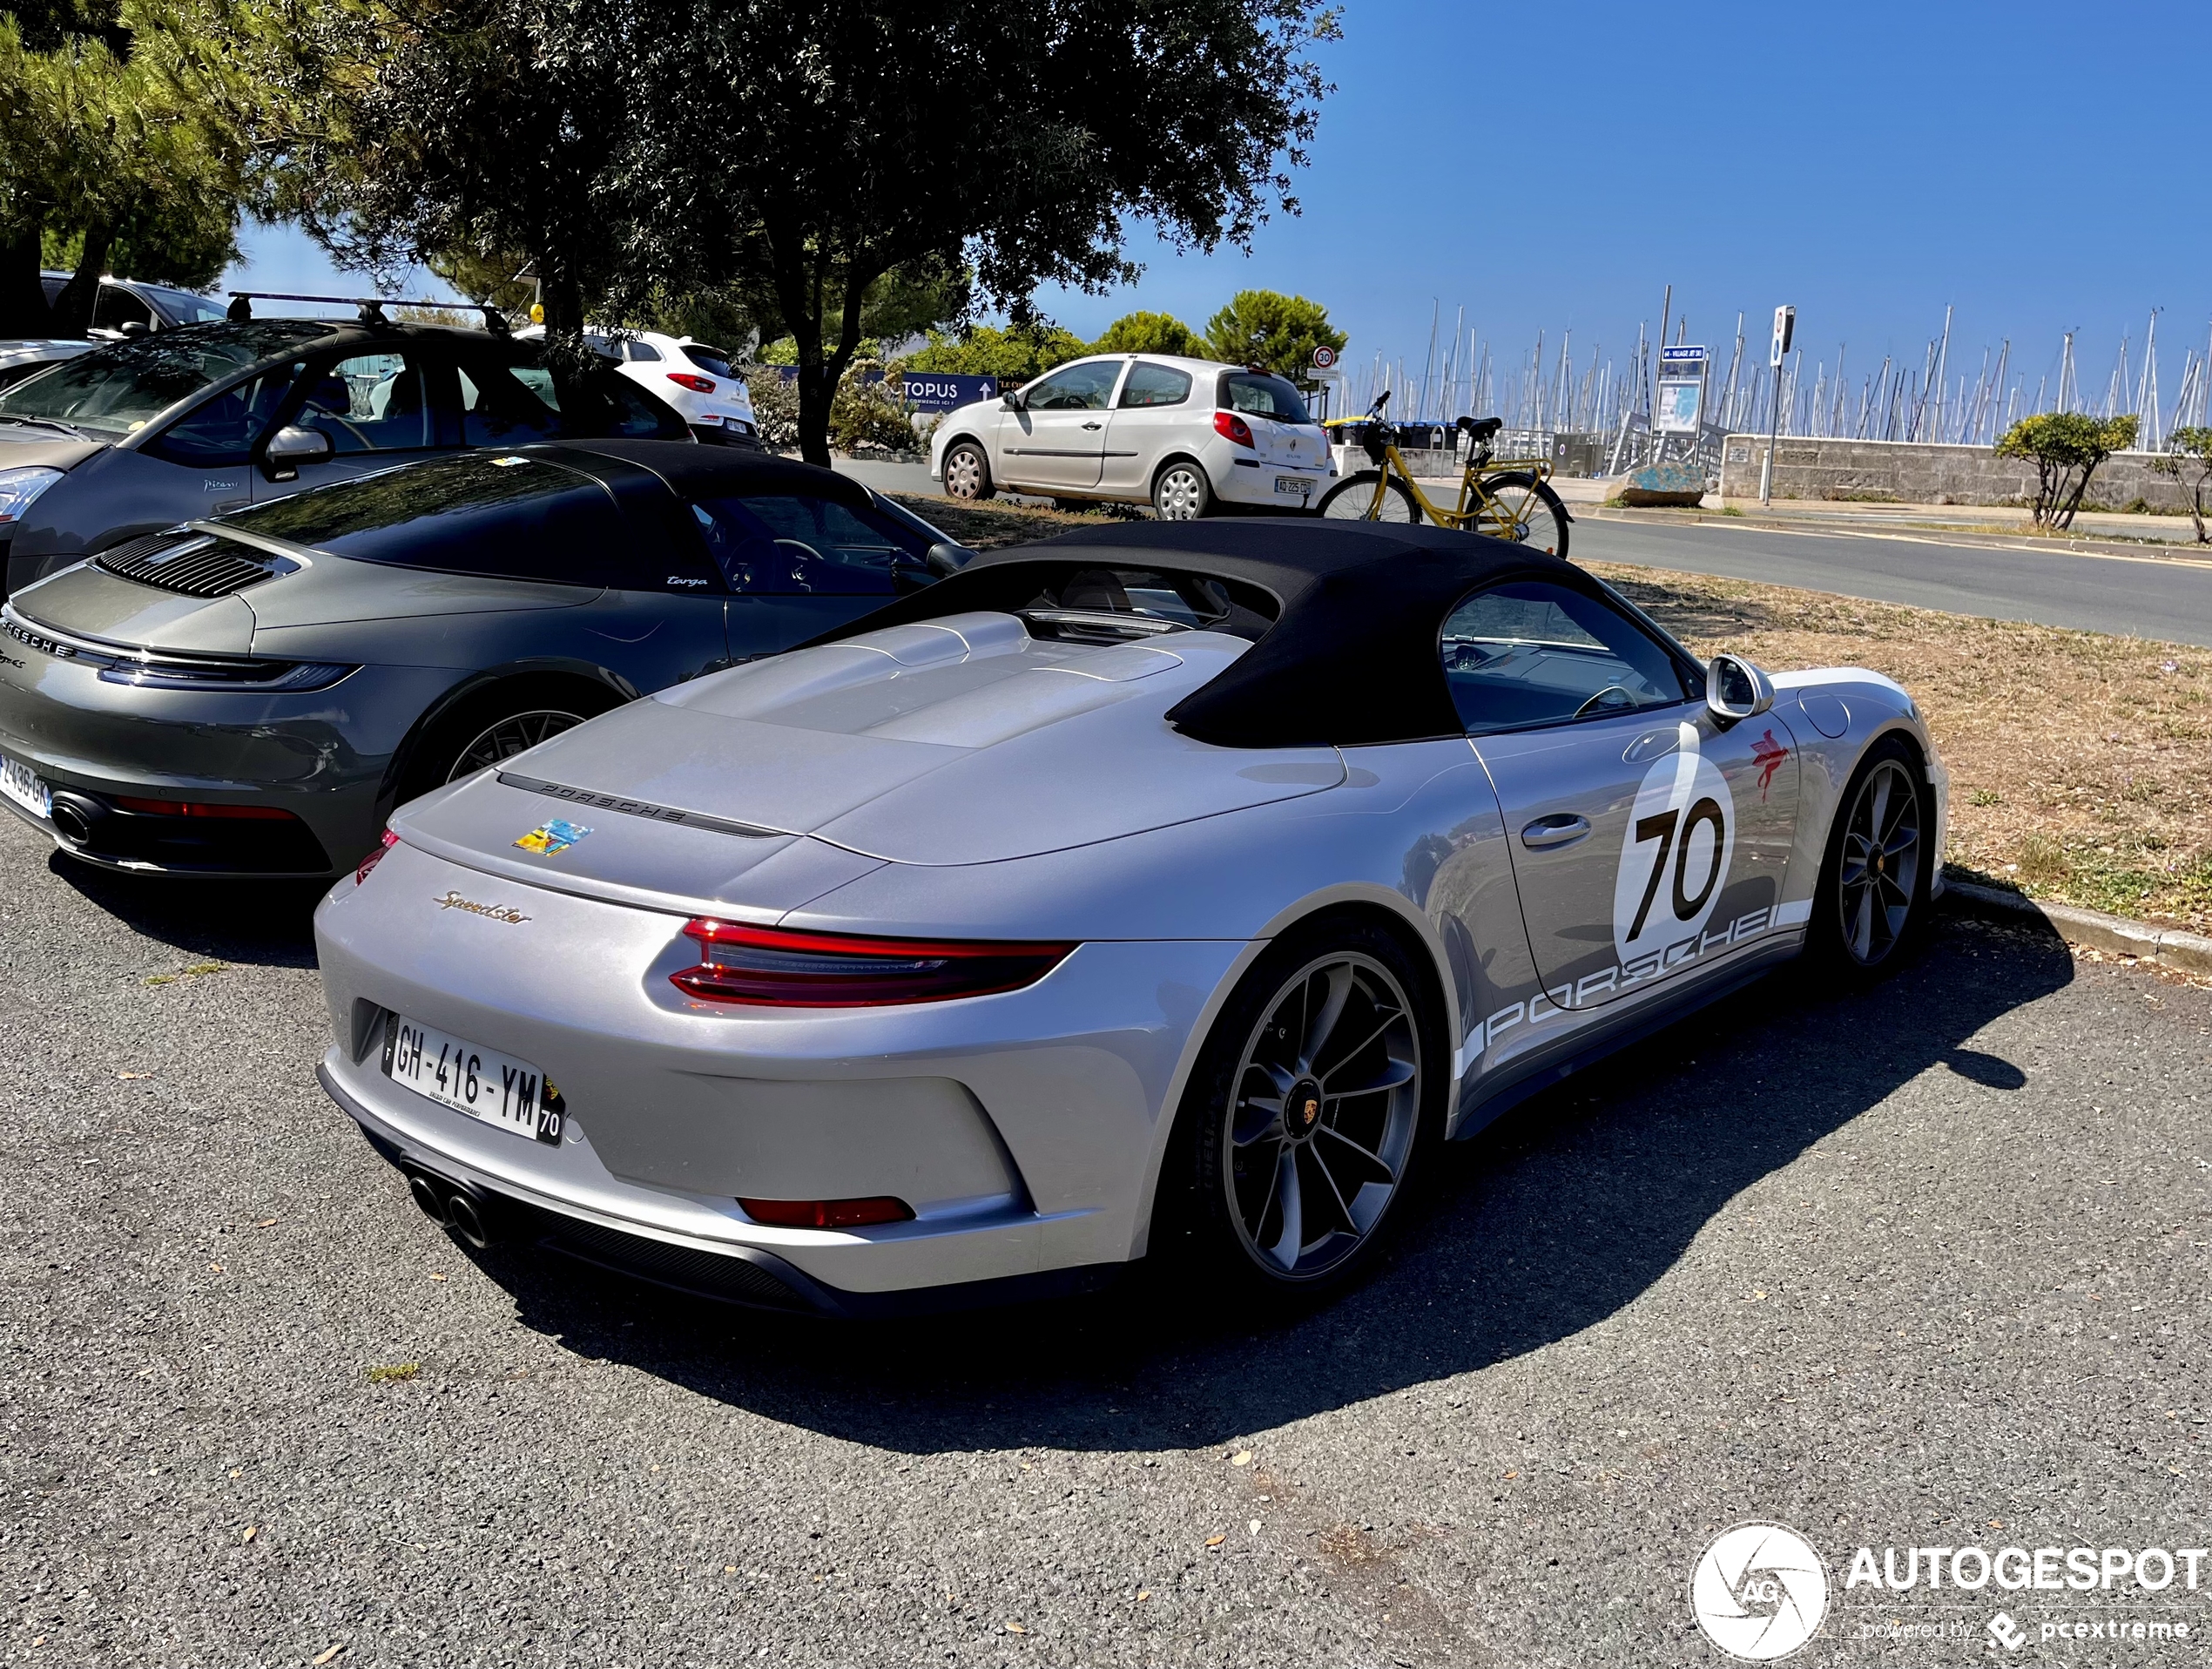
780,968
1232,427
377,857
199,808
827,1214
696,384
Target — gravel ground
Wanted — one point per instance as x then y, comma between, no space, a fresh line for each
1890,1268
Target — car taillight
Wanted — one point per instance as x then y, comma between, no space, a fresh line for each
377,857
198,809
1232,427
827,1214
776,968
696,384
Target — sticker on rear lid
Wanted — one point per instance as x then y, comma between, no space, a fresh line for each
553,836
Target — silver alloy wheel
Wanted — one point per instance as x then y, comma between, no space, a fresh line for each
964,473
509,737
1880,880
1322,1116
1180,495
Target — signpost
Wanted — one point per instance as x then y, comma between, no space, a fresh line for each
1785,325
1682,391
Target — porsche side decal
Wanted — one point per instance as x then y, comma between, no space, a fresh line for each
1674,863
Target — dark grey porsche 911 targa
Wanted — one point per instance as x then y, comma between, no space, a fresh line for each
253,695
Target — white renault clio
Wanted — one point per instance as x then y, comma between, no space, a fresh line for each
1187,436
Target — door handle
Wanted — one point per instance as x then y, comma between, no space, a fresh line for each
1094,425
1561,828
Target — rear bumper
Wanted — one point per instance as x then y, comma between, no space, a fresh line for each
1239,478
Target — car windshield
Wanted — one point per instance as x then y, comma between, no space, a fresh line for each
182,306
113,390
1258,394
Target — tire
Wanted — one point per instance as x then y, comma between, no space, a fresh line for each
1352,498
1182,493
1866,914
483,729
1260,1160
1538,518
968,473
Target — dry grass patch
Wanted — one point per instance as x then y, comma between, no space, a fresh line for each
2080,764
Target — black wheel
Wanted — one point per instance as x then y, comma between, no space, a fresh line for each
1353,499
1318,1099
968,473
497,724
1524,511
1181,492
1874,880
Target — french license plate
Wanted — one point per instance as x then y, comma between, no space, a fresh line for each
1292,484
497,1089
21,784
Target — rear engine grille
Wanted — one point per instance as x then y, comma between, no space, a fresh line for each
197,565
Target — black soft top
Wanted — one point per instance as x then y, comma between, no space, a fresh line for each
1353,655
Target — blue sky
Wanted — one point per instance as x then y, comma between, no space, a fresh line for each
2040,168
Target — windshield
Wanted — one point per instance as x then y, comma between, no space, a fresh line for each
113,390
182,306
1258,394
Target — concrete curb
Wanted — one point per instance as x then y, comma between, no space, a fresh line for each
2168,946
1842,528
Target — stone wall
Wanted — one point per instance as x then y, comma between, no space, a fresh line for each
1912,473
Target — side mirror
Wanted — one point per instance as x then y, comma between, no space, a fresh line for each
1010,401
944,559
292,446
1735,689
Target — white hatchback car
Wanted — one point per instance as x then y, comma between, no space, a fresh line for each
693,376
1184,435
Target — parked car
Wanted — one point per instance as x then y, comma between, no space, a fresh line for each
19,360
200,419
1183,436
1156,889
693,376
252,694
130,306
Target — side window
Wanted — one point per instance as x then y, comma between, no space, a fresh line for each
115,307
644,351
1076,388
370,403
1531,653
1155,385
221,432
788,546
500,407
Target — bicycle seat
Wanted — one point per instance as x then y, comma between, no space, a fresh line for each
1481,428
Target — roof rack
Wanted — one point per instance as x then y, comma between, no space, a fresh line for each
371,307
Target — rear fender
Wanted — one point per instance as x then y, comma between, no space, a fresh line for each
476,684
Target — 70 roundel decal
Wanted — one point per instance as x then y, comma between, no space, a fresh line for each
1675,853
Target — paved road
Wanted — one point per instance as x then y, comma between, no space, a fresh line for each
2150,597
1888,1268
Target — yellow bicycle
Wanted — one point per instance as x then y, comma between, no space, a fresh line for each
1501,499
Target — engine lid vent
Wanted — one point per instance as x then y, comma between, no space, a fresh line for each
196,565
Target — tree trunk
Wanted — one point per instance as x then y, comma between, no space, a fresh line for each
73,307
23,312
562,297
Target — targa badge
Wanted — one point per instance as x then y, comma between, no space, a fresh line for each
553,836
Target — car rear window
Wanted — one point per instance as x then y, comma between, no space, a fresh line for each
1260,395
497,514
713,361
112,391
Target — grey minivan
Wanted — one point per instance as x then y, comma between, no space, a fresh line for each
204,419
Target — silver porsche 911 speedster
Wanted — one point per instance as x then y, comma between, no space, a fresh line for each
1164,888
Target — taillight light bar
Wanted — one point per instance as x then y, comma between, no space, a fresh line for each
696,384
201,808
827,1214
1233,429
778,968
377,857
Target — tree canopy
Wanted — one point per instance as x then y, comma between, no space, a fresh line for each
1150,333
2066,448
1013,355
1265,327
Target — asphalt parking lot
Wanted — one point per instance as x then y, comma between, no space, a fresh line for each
1925,1265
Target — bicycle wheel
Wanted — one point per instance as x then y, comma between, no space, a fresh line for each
1523,510
1353,499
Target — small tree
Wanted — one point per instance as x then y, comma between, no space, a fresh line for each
1013,355
2066,448
1148,333
2189,459
1265,328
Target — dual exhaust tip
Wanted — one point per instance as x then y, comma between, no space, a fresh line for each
468,1216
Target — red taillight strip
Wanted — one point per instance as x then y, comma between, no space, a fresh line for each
828,1213
200,808
784,979
377,857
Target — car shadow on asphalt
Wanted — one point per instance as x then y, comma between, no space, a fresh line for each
268,923
1550,1221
